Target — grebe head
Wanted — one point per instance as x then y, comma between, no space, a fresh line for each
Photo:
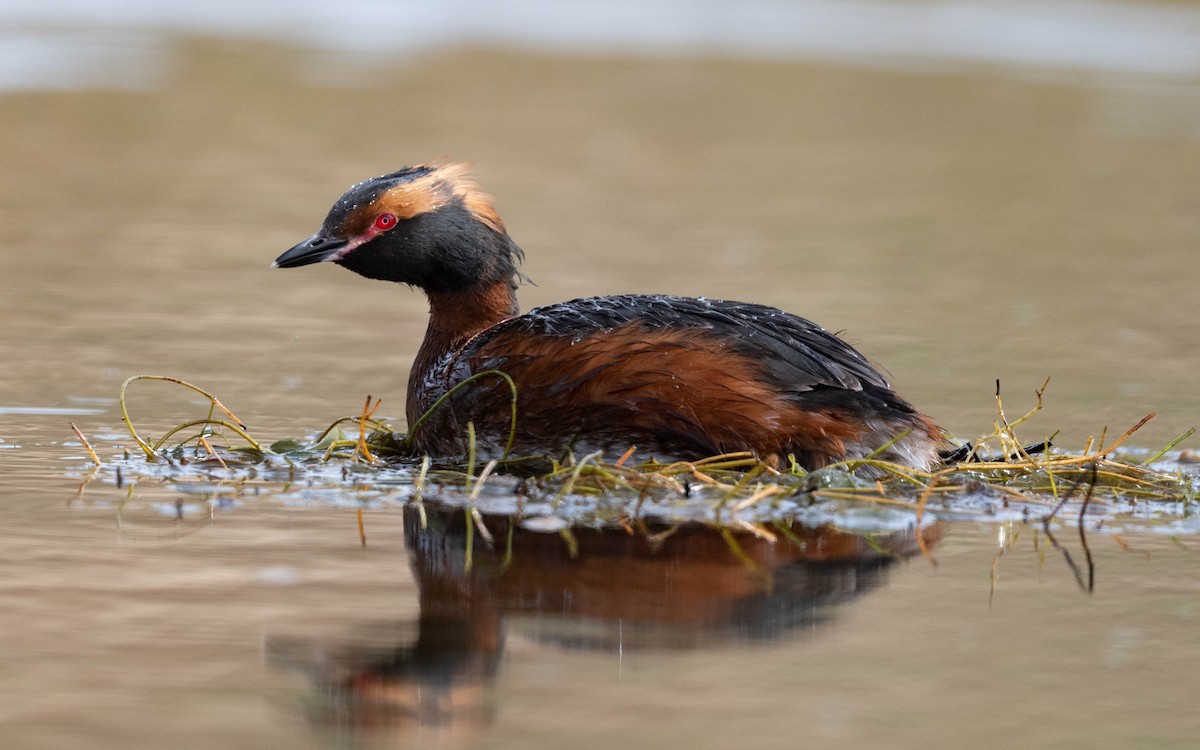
428,226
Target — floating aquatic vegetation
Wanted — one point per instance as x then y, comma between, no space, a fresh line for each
999,476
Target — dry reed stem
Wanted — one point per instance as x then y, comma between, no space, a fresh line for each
213,453
769,490
361,449
87,446
625,456
483,475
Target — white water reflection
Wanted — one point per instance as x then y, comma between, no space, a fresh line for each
86,43
54,411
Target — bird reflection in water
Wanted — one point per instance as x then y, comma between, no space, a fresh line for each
600,589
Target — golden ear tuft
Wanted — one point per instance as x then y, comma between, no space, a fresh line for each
457,176
441,183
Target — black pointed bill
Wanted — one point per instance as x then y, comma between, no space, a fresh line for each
315,249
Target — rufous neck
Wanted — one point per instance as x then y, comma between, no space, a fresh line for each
454,318
457,316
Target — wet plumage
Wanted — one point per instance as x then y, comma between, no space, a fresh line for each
678,377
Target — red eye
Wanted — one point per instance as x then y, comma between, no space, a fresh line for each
385,221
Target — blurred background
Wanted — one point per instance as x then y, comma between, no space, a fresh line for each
968,190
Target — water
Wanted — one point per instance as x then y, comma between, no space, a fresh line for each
961,219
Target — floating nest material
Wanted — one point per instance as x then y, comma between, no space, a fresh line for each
998,476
